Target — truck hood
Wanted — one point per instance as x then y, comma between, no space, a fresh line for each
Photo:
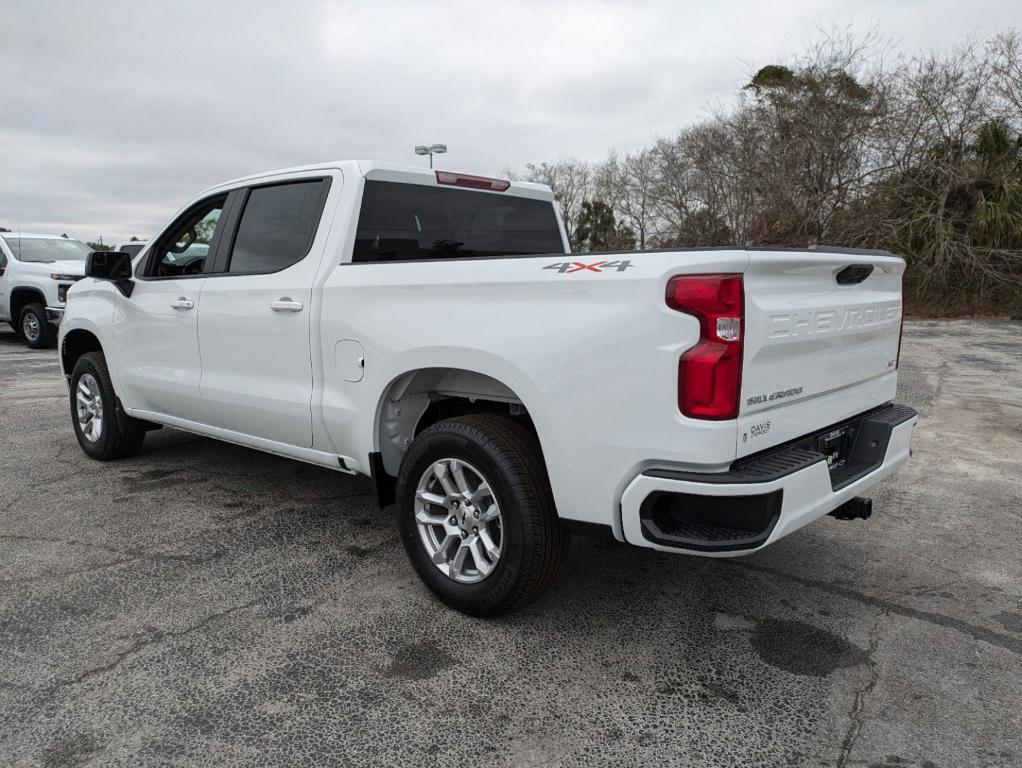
75,268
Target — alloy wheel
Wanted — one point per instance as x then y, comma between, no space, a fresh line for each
459,520
89,406
30,327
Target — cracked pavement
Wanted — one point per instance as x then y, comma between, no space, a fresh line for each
202,603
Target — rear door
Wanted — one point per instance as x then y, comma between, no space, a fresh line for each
821,341
254,320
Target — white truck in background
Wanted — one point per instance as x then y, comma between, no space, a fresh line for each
131,247
36,272
431,330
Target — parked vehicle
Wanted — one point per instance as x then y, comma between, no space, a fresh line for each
35,274
131,247
431,331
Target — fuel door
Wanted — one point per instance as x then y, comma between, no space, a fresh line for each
349,357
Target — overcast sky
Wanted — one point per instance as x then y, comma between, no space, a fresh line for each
114,113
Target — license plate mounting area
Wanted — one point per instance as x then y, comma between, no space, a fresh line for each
836,445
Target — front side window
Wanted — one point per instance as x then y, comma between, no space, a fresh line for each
277,227
46,250
185,248
416,221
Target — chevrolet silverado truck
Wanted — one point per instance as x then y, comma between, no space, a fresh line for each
430,330
36,272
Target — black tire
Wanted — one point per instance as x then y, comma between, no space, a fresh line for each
35,329
533,544
119,435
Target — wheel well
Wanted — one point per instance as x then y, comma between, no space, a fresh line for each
77,343
418,399
22,296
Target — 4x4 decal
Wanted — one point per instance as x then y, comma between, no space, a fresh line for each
567,267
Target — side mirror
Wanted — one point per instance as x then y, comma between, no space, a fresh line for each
111,265
108,265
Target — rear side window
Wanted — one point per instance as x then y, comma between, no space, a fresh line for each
277,226
399,222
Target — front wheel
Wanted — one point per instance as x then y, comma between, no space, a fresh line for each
35,328
477,516
93,412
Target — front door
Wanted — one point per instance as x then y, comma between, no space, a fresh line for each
254,318
157,327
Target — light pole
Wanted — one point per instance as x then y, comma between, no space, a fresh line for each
430,149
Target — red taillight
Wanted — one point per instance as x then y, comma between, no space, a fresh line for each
710,374
472,182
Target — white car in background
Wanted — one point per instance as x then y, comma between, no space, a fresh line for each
131,247
35,273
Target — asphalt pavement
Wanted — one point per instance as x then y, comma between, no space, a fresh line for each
205,604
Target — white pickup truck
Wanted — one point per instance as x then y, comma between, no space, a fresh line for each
35,273
430,330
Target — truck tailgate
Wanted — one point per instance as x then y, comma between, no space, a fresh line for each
821,341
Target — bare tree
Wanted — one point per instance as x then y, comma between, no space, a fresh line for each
572,183
1006,53
843,145
628,185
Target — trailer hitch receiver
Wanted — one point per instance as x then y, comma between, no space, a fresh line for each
859,508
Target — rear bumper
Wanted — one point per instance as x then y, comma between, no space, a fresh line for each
763,498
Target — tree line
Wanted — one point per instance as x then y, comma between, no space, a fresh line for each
844,145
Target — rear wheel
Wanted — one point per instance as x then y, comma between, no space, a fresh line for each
35,329
476,514
101,434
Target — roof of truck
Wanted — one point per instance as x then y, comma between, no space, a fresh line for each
37,236
385,169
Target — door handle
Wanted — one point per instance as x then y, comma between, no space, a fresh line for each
286,305
182,303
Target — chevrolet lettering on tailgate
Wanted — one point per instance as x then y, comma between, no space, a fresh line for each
815,323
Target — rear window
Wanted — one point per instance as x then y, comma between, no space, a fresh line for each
399,222
131,250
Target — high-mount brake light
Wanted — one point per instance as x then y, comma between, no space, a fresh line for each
472,182
710,373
